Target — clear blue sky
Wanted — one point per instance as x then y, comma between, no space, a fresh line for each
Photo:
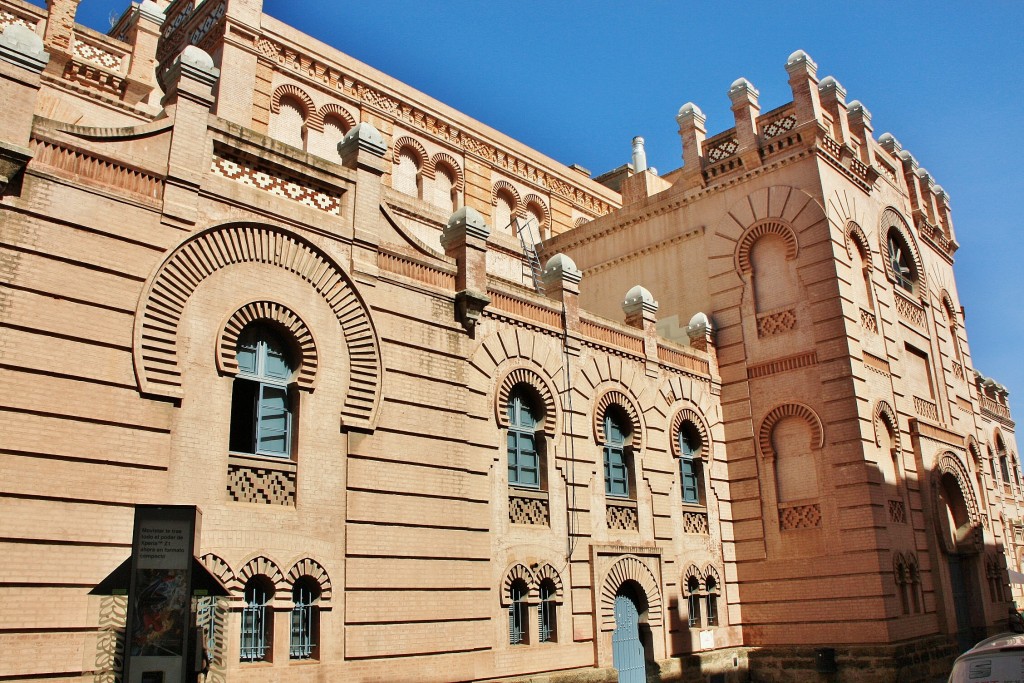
578,79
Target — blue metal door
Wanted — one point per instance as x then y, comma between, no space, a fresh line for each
627,651
961,603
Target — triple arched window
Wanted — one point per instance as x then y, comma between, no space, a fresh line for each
262,396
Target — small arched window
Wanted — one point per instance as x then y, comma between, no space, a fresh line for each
334,132
1004,465
261,400
548,616
691,466
862,264
445,195
616,454
289,124
305,619
518,614
523,457
901,262
257,620
504,210
693,601
407,178
711,600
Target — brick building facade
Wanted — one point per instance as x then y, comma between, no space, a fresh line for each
373,340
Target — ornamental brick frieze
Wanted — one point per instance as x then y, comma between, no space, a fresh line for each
334,79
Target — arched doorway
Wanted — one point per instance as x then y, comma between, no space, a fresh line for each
630,639
959,540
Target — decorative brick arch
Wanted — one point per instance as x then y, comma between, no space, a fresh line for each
949,309
582,220
884,411
771,226
711,573
406,142
974,448
227,345
295,93
616,397
538,201
789,410
630,568
855,238
893,220
950,464
338,112
453,165
549,573
539,386
692,572
163,301
691,416
517,572
217,566
262,566
314,570
504,185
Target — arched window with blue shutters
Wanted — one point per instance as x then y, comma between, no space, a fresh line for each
523,454
518,613
261,401
691,469
616,456
548,614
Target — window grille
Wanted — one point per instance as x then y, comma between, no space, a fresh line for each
304,613
547,613
693,602
523,461
261,411
255,646
517,614
711,600
616,467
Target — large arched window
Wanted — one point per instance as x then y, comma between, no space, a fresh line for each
261,401
795,468
504,210
1004,464
518,614
773,276
901,261
691,466
523,457
617,463
548,615
305,625
257,620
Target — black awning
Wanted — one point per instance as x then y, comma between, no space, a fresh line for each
119,581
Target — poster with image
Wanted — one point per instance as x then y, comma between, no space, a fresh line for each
159,611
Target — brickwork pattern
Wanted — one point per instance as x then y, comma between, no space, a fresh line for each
800,516
270,486
527,510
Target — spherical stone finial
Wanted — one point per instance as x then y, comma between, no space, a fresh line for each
151,11
561,267
638,300
799,59
466,220
198,59
742,87
365,136
699,326
690,111
19,45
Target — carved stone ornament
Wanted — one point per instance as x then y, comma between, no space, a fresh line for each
469,306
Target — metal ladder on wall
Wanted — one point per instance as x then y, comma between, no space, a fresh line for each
524,229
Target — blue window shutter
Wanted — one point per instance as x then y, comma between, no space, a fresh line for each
273,424
688,475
